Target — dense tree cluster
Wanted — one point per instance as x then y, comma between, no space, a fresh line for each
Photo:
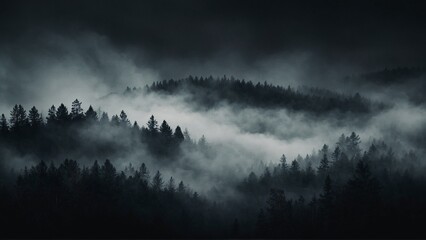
69,200
210,92
338,191
63,134
347,194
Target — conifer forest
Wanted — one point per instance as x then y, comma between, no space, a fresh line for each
212,119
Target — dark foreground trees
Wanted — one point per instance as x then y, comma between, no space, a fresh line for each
65,133
70,200
343,192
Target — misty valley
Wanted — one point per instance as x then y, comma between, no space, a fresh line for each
212,119
76,172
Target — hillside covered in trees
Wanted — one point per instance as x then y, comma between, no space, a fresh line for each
210,92
340,191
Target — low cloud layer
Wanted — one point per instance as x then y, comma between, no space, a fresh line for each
58,69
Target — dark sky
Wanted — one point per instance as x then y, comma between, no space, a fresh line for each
371,34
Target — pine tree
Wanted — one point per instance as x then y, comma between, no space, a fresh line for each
283,162
354,141
157,182
91,115
295,167
4,126
324,166
187,136
115,121
171,185
18,119
108,172
62,115
95,172
124,121
152,126
51,116
309,174
336,154
144,173
166,131
181,188
35,119
178,135
136,129
76,110
202,143
104,118
324,149
341,143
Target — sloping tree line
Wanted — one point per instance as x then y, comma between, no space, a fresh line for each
339,192
209,92
97,201
64,132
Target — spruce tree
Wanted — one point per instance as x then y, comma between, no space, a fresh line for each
124,121
35,119
166,131
91,115
152,126
51,116
4,126
178,135
157,182
18,119
76,110
62,115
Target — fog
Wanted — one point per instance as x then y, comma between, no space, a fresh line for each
58,69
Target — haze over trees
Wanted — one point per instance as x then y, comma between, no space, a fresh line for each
342,190
210,92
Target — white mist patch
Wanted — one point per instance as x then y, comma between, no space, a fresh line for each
59,70
89,68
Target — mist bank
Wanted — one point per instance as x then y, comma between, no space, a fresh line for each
224,144
59,69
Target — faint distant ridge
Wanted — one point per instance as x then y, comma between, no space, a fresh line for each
210,92
405,81
395,75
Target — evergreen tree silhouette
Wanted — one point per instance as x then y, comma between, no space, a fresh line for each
166,131
152,126
157,182
4,126
76,110
323,167
62,115
91,115
35,119
171,187
124,121
283,162
104,118
18,119
51,116
115,121
178,135
181,188
144,173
